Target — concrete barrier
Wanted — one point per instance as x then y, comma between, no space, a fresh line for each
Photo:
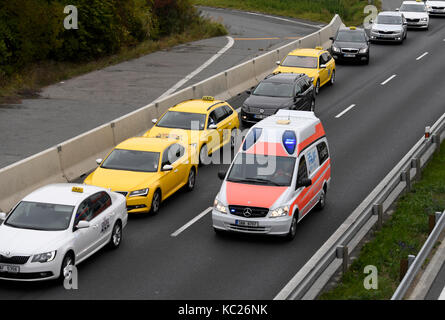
133,124
265,64
78,155
23,177
241,78
215,86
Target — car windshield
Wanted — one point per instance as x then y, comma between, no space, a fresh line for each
262,169
300,62
389,20
350,36
40,216
412,8
182,120
131,160
274,89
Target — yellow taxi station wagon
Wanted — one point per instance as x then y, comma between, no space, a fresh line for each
146,171
317,64
206,124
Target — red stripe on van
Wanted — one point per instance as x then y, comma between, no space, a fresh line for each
319,132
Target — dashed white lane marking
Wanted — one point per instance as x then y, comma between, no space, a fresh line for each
287,20
420,57
188,224
388,80
344,111
198,70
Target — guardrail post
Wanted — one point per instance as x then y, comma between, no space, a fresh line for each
438,216
411,259
436,140
406,176
377,209
431,222
342,253
415,163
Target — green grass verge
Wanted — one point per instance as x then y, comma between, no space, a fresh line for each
351,11
27,83
404,233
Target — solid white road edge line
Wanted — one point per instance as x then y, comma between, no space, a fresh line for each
420,57
442,295
287,20
229,44
344,111
188,224
388,80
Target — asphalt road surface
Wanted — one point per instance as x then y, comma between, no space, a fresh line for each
75,106
366,142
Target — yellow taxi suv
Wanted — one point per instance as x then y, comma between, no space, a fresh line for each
317,64
206,123
146,171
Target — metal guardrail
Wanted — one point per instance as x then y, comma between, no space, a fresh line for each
415,266
316,273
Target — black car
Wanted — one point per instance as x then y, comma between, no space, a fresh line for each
351,44
278,91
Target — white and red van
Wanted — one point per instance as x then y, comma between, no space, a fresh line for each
281,172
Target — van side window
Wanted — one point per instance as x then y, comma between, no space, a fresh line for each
323,153
312,161
302,170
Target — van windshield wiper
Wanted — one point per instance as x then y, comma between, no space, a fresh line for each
261,180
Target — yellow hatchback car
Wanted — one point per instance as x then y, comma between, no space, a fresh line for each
317,63
146,171
206,123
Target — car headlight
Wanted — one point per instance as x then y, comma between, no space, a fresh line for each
44,257
139,193
279,212
363,50
219,206
424,19
335,49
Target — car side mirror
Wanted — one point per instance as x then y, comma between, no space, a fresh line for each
154,121
331,38
397,9
248,92
83,225
167,167
304,183
322,66
213,126
278,62
222,174
2,216
99,161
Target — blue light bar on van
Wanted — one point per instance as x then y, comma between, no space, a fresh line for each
289,141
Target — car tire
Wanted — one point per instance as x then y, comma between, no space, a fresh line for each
317,87
191,180
332,80
116,236
322,201
293,228
156,202
68,260
203,155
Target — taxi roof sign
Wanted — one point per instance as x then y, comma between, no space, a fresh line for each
77,189
208,98
319,48
352,28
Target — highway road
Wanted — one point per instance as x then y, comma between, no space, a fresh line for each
394,98
75,106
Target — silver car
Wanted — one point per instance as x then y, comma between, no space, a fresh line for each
389,26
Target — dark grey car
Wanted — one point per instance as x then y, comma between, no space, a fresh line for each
292,91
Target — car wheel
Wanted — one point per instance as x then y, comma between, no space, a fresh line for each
156,202
293,228
322,201
65,269
116,236
203,155
332,81
191,180
317,87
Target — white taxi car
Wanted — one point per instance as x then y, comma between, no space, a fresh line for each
282,171
416,14
435,7
56,227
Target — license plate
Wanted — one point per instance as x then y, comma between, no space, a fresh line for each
9,269
349,55
247,223
260,116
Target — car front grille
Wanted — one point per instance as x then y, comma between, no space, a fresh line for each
349,50
243,211
267,112
14,260
412,20
386,32
438,8
235,227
